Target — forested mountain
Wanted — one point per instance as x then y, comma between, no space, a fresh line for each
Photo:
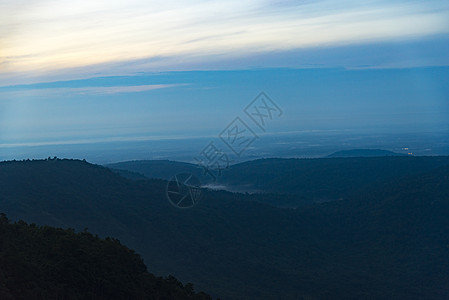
309,180
387,240
50,263
161,169
325,179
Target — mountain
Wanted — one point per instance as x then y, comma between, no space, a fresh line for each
51,263
300,181
323,179
129,174
364,153
387,240
162,169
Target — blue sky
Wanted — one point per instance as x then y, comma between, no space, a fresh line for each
49,39
85,71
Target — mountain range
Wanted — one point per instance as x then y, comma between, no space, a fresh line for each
382,233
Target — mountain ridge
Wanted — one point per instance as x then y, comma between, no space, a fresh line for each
235,248
309,180
364,153
42,262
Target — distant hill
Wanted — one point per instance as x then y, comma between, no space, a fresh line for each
385,240
51,263
162,169
129,174
308,180
324,179
364,153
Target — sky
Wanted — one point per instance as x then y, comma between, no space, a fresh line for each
78,38
77,71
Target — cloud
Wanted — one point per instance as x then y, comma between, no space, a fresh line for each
96,90
98,140
47,36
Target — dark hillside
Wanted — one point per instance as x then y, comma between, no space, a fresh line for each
388,241
51,263
326,178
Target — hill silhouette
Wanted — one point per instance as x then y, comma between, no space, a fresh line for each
51,263
364,153
325,179
160,169
300,181
385,240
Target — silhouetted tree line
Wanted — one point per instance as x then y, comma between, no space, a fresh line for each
52,263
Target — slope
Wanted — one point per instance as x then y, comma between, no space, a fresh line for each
386,241
51,263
